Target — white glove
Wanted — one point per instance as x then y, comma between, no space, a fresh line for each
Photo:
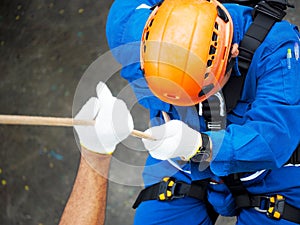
113,122
173,139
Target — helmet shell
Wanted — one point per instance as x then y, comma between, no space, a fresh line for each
184,50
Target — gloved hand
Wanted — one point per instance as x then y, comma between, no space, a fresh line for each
113,122
173,139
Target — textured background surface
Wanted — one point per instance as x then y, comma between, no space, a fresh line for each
45,47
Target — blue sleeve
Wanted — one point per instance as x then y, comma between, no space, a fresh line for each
126,20
125,24
270,130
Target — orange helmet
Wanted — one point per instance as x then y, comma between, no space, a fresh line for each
185,48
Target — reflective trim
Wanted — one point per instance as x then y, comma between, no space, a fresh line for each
253,176
200,109
222,103
258,173
143,6
297,165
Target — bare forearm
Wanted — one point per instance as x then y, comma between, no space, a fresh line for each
87,202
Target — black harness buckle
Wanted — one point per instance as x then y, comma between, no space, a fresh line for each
272,206
276,207
168,189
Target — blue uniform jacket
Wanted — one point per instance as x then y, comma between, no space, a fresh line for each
264,128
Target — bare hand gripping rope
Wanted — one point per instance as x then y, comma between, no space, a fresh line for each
56,121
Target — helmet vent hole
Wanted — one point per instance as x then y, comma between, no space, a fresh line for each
222,14
147,35
206,75
212,50
151,22
175,97
209,63
214,36
216,26
144,48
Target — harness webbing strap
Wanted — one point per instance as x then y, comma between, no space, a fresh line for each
266,14
254,36
213,111
146,194
232,90
238,191
291,213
